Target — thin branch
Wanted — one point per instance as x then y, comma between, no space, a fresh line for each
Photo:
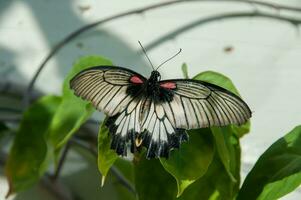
202,21
122,180
61,162
70,37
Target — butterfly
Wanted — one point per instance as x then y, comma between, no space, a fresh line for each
155,113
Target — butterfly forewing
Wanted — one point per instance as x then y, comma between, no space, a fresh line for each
198,104
106,87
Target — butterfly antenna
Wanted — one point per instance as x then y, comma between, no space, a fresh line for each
146,55
169,59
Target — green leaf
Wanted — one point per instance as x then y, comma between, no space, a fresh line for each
126,167
192,160
217,79
28,155
215,184
73,111
106,156
222,135
152,181
126,171
185,70
278,170
223,146
242,129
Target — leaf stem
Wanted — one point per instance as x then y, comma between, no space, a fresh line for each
61,162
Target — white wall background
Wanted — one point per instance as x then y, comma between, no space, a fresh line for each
264,63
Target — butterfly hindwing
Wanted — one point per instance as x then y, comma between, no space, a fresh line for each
159,136
125,127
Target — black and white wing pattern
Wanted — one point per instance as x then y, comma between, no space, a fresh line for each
159,135
115,91
106,87
198,104
153,113
187,104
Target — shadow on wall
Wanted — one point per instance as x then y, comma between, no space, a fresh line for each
57,19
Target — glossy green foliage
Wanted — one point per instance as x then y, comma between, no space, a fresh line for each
192,160
46,126
73,111
152,181
205,167
185,70
223,135
215,184
27,159
106,156
277,171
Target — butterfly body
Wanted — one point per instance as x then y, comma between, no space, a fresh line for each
154,113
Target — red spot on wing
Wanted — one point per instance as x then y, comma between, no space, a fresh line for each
168,85
136,79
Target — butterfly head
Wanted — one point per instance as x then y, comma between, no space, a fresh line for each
155,76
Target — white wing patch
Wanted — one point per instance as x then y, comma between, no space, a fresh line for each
125,127
159,136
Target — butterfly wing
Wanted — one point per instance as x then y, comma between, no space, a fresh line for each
158,121
198,104
117,92
159,135
189,104
109,88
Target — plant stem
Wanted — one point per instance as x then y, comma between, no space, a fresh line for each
61,162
